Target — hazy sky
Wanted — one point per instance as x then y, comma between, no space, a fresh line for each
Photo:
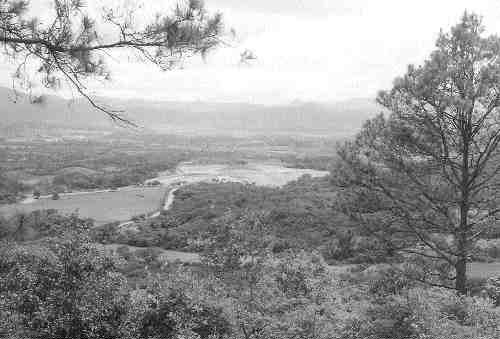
310,50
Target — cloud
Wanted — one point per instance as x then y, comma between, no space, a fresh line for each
321,50
291,7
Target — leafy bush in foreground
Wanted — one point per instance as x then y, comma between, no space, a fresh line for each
66,287
61,288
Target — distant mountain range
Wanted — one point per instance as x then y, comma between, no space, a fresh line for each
338,119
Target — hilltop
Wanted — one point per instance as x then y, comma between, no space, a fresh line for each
336,119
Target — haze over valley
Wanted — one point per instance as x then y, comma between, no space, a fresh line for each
334,120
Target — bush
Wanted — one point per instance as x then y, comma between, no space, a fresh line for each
493,231
341,248
138,218
67,288
389,281
420,313
487,250
281,245
173,240
391,320
150,256
10,190
42,223
493,289
168,313
106,234
62,288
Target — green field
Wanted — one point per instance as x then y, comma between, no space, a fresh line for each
103,207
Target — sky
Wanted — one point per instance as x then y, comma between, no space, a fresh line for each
307,50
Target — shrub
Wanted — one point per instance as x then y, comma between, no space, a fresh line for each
342,247
281,245
107,233
493,289
389,281
391,320
166,313
423,313
173,239
67,288
62,288
487,250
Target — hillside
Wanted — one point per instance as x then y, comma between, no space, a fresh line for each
338,119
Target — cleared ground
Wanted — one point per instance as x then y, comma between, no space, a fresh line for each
260,174
164,255
484,270
103,207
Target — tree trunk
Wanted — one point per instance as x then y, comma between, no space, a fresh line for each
461,232
461,279
461,241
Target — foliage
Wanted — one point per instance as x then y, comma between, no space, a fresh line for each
288,297
242,242
63,284
298,215
486,250
493,290
61,287
285,295
428,169
10,190
71,44
166,313
40,224
98,163
341,247
419,312
67,287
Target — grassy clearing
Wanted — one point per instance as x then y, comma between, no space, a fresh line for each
163,255
484,270
103,207
262,174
